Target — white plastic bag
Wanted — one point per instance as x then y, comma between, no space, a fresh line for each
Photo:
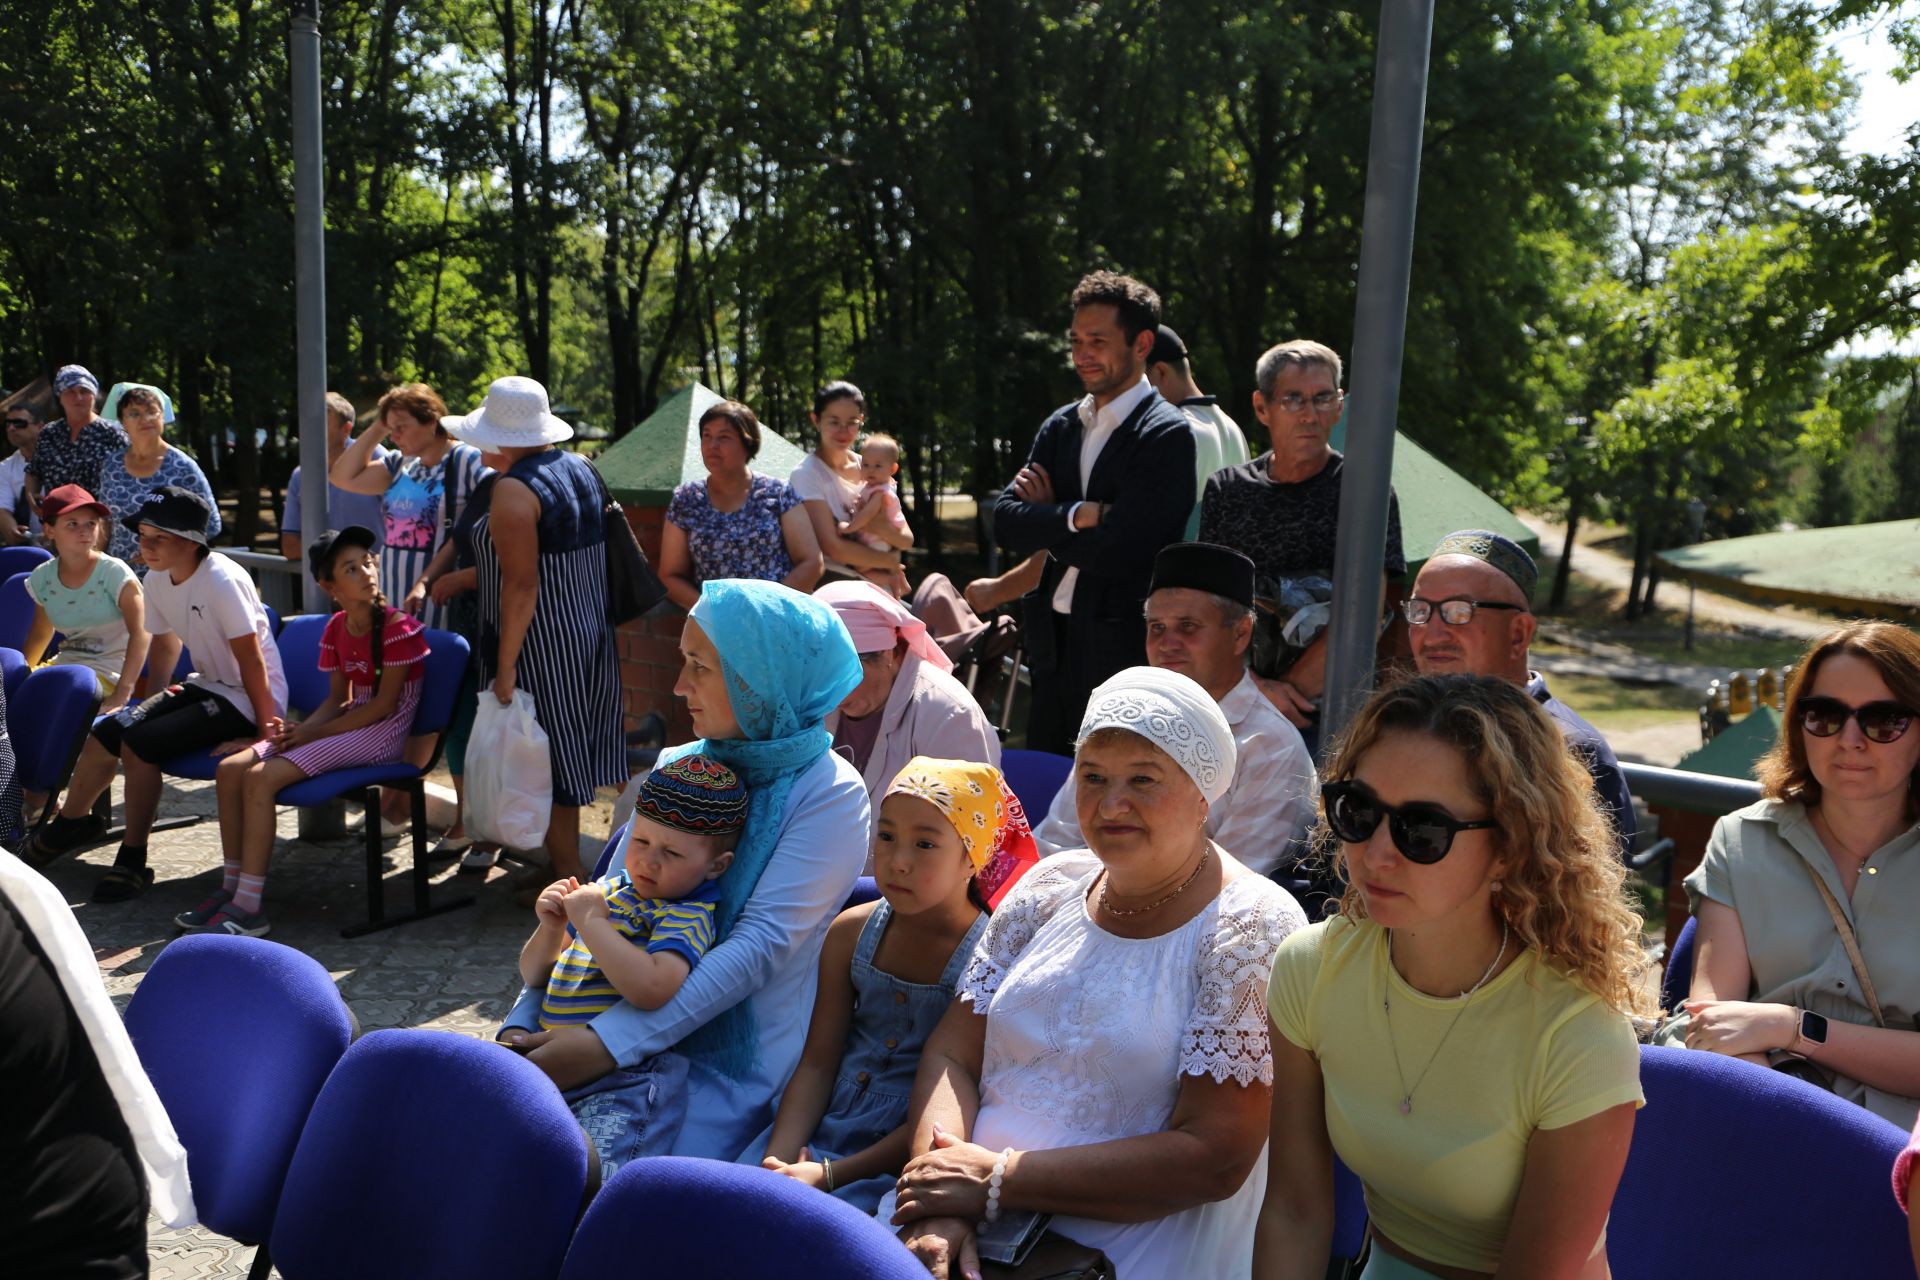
509,778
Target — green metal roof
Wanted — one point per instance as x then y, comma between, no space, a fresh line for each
1735,750
646,465
1436,500
1862,568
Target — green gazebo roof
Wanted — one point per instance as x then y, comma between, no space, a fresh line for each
1864,568
646,465
1436,500
1733,752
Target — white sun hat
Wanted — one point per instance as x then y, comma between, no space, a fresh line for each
513,416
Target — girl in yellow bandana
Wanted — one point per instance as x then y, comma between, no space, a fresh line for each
950,837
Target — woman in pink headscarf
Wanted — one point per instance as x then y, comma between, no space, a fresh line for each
906,704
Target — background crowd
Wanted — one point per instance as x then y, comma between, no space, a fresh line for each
1148,1020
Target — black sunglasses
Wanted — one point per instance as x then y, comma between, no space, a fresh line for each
19,422
1881,722
1422,833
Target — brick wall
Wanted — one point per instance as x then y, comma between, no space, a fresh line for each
650,646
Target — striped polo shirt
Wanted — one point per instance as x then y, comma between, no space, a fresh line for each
578,990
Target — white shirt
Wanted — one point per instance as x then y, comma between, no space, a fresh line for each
1272,799
815,481
1096,428
216,605
13,479
1218,442
1089,1036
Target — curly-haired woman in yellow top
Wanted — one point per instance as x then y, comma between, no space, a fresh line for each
1458,1033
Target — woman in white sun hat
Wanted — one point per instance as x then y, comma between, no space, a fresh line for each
541,555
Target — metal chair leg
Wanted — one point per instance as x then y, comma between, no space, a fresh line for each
423,906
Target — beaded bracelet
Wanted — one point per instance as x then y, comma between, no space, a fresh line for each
998,1176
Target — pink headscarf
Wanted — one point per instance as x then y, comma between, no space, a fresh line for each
876,621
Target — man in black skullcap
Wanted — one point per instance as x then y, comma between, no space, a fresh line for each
1200,622
1471,612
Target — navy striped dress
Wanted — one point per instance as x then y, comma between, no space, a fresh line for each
568,662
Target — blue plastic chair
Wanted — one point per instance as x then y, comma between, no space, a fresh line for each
21,560
708,1218
48,718
435,1156
1349,1212
13,670
1677,980
1036,777
1765,1160
865,889
307,687
16,612
238,1035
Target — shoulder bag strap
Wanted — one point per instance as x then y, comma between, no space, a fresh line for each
1848,941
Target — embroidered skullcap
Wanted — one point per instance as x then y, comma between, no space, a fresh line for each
876,621
1502,552
74,375
1202,566
976,799
695,794
1173,713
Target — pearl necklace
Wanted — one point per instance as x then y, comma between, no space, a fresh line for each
1386,1003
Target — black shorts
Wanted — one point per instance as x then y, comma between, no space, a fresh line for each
174,722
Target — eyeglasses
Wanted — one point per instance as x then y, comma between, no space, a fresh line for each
1881,722
1423,833
19,424
1455,613
1294,403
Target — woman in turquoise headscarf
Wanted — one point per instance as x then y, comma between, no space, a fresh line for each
762,666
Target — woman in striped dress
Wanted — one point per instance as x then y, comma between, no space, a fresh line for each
423,485
541,556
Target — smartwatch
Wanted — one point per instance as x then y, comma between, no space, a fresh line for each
1811,1030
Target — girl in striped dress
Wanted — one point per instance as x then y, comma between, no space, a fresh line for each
377,657
540,554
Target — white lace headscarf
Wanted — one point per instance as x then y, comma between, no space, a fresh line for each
1176,715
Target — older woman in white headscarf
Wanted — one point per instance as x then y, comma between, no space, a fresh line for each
1106,1060
907,704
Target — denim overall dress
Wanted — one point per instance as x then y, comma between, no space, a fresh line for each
891,1022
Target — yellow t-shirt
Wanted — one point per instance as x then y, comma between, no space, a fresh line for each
1534,1050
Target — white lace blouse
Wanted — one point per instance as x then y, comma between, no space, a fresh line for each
1089,1036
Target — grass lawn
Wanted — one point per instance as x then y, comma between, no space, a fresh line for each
1615,707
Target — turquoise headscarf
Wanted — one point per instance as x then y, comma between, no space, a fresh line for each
111,410
788,663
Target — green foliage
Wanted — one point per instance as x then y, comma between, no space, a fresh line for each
1638,242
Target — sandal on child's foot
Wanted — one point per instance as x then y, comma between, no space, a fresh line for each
123,884
196,920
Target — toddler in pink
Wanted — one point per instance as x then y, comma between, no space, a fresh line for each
879,503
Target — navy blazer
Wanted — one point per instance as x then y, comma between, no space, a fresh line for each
1136,474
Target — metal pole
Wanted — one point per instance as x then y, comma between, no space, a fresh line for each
309,274
310,326
1379,338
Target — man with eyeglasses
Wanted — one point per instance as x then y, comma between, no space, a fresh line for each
1283,508
19,523
1471,613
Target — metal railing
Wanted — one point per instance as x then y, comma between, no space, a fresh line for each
278,578
1681,789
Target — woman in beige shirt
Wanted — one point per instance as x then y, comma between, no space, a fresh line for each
1772,979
